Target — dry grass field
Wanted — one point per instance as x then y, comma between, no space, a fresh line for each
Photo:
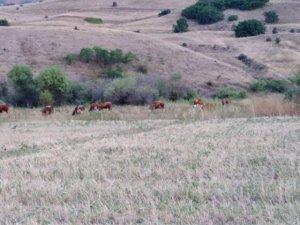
42,34
180,165
221,171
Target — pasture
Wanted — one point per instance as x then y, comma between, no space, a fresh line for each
133,166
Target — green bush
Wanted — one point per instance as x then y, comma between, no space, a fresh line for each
26,88
292,30
46,98
4,22
233,17
86,54
55,81
116,55
271,16
245,4
181,26
164,12
273,85
296,79
274,30
249,28
93,20
70,58
102,55
277,40
230,92
129,57
117,72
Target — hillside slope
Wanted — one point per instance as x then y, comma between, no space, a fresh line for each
42,34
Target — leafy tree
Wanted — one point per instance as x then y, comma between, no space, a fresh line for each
233,17
21,78
115,73
46,98
249,28
271,16
116,55
245,4
102,55
55,81
181,26
86,54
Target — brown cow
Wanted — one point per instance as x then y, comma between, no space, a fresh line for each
4,108
209,106
47,110
198,101
104,105
157,105
93,107
78,110
226,101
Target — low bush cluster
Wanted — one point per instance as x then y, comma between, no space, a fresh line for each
230,92
249,28
164,12
4,22
93,20
271,85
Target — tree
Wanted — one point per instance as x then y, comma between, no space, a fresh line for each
181,26
46,98
271,16
54,80
249,28
4,22
21,78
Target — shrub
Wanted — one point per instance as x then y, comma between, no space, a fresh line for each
230,92
70,58
80,92
115,4
296,79
271,16
203,13
3,90
25,86
274,30
273,85
54,80
142,69
129,57
249,28
164,12
116,56
46,98
93,20
86,54
4,22
233,18
102,55
268,39
245,4
292,30
181,26
117,72
277,40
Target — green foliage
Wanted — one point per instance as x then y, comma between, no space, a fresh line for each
273,85
70,58
4,22
46,98
116,55
233,17
292,30
249,28
277,40
21,78
129,57
93,20
274,30
86,54
203,13
55,81
164,12
271,16
102,55
117,72
245,4
296,79
230,92
181,26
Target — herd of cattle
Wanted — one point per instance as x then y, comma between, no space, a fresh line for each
49,109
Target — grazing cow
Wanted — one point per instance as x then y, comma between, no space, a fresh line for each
104,105
93,107
4,108
198,101
47,110
226,101
209,106
157,105
78,110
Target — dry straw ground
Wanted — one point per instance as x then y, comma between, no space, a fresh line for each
168,169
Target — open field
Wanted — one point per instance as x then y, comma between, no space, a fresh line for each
229,171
